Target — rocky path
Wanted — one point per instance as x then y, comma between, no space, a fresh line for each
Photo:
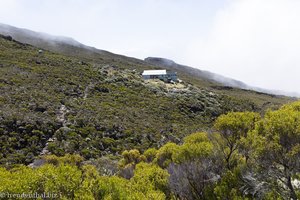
86,91
61,118
61,115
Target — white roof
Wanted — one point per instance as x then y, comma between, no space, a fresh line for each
154,72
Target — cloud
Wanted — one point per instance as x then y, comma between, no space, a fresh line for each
254,41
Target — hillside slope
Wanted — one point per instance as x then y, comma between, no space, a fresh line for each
51,102
201,79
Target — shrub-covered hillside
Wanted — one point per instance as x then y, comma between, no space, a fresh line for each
51,103
246,157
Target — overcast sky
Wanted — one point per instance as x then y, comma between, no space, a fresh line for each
255,41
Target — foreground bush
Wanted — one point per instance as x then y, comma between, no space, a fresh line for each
246,157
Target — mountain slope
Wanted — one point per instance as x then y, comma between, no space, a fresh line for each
71,47
92,109
99,105
85,53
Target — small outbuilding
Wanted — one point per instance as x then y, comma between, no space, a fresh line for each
163,75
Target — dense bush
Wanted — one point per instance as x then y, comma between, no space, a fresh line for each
198,168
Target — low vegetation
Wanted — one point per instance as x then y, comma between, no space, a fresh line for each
246,157
50,103
90,128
